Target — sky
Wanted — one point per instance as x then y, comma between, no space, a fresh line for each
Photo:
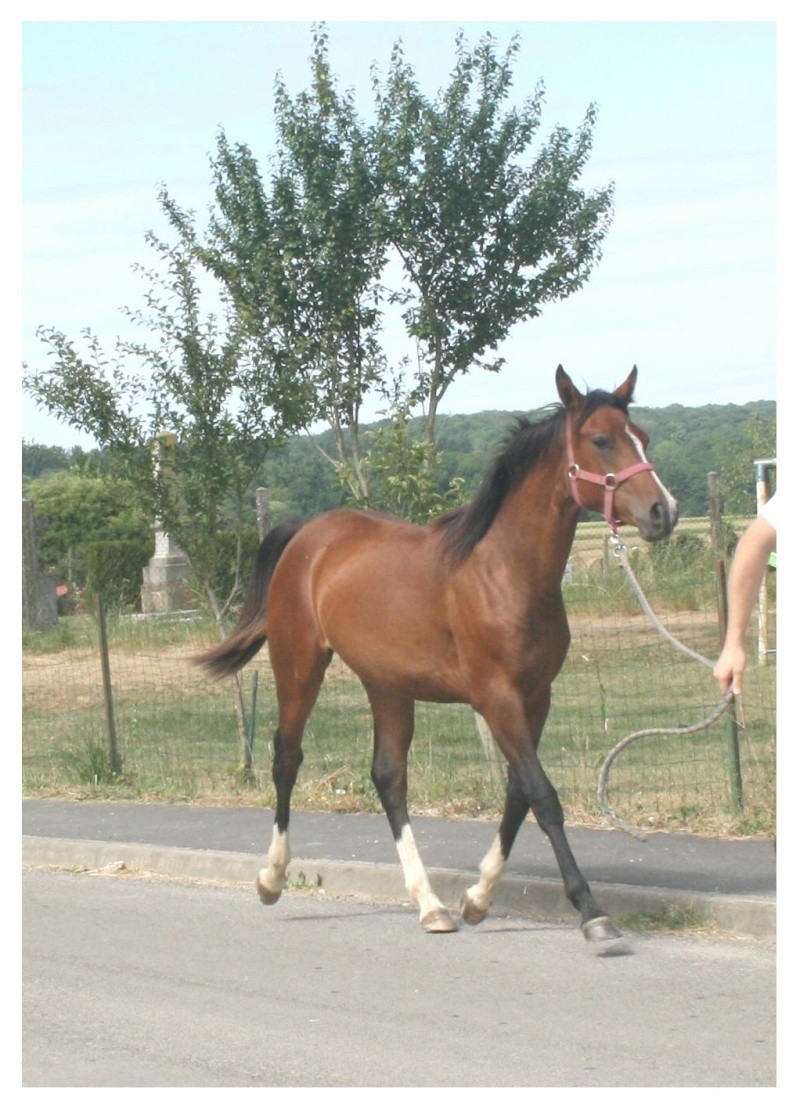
687,130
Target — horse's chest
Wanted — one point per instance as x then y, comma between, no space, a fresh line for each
541,652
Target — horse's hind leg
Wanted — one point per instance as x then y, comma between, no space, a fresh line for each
286,760
394,729
476,900
297,695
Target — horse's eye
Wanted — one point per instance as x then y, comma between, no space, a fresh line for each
602,442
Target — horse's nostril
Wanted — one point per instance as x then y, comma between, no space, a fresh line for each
661,519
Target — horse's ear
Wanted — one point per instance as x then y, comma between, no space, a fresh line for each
568,393
625,390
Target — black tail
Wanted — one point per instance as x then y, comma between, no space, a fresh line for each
249,634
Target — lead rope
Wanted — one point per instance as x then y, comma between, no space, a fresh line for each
621,553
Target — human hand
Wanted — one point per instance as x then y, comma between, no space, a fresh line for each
729,669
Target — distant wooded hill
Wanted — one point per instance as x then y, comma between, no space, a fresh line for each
686,443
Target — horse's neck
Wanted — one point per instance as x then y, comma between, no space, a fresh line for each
535,528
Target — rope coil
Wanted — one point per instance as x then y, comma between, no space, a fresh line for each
621,553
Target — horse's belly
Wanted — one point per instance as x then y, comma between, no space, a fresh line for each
414,659
401,667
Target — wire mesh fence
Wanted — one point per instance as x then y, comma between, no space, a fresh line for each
179,736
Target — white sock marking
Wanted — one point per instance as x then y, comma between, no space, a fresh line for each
491,869
415,875
273,877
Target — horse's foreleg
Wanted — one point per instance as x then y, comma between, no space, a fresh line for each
546,806
394,729
517,732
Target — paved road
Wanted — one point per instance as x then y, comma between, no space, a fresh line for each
730,882
136,982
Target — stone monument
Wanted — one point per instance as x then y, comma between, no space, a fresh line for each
165,577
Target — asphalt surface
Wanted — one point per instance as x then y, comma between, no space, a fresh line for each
731,883
132,981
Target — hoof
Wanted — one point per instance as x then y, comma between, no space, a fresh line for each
602,934
438,921
266,895
470,913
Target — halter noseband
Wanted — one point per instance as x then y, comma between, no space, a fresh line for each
609,481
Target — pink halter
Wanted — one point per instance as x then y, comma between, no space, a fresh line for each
609,481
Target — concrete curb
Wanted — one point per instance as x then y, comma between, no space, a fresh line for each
744,916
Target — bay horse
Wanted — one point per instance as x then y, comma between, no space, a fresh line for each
467,609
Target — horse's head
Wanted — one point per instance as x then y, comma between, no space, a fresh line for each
608,469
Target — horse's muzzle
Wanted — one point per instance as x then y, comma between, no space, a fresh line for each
660,521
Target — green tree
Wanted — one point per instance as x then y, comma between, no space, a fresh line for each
196,376
300,256
38,460
689,443
684,465
403,470
299,479
75,509
738,476
487,235
203,379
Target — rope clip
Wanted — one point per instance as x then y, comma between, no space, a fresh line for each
618,547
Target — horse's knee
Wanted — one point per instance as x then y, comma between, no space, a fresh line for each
547,809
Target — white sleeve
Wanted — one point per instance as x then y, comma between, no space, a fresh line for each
769,511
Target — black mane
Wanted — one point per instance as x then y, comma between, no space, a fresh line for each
528,443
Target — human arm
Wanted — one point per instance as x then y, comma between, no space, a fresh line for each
746,574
